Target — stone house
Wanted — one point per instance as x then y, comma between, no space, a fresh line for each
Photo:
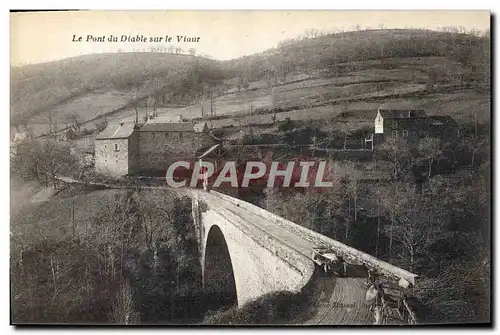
412,125
116,150
128,149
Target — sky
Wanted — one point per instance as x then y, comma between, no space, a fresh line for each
46,36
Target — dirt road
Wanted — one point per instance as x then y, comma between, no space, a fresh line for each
343,303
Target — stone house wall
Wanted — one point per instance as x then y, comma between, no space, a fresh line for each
157,150
133,153
111,156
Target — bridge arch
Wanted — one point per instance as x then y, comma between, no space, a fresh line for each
219,278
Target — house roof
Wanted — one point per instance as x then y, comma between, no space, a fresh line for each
116,131
439,120
401,113
168,126
199,127
426,121
209,151
399,110
397,105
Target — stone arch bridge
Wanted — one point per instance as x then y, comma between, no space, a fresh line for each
247,252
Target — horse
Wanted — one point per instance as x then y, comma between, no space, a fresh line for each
375,298
378,315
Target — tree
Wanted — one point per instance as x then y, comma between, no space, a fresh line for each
55,158
73,121
391,201
398,154
24,163
44,160
164,222
344,129
123,312
430,148
286,126
315,210
21,124
102,125
473,144
353,186
156,217
460,293
352,190
416,226
105,273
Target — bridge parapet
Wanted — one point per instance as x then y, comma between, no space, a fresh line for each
349,253
294,259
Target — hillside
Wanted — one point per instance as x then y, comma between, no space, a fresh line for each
331,51
107,79
304,74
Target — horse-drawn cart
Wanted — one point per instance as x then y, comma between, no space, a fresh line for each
328,260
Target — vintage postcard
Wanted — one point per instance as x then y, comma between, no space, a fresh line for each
250,167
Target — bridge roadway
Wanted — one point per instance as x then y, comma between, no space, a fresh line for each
342,299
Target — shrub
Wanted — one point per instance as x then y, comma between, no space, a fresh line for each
287,125
271,308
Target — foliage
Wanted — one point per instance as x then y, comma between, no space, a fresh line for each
271,308
430,148
398,154
43,160
287,125
459,294
106,263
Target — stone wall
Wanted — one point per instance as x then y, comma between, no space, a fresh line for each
261,264
158,151
143,151
133,153
109,161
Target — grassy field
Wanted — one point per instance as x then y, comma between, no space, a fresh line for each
355,85
37,89
87,107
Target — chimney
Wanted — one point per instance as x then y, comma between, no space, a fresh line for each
180,118
121,123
